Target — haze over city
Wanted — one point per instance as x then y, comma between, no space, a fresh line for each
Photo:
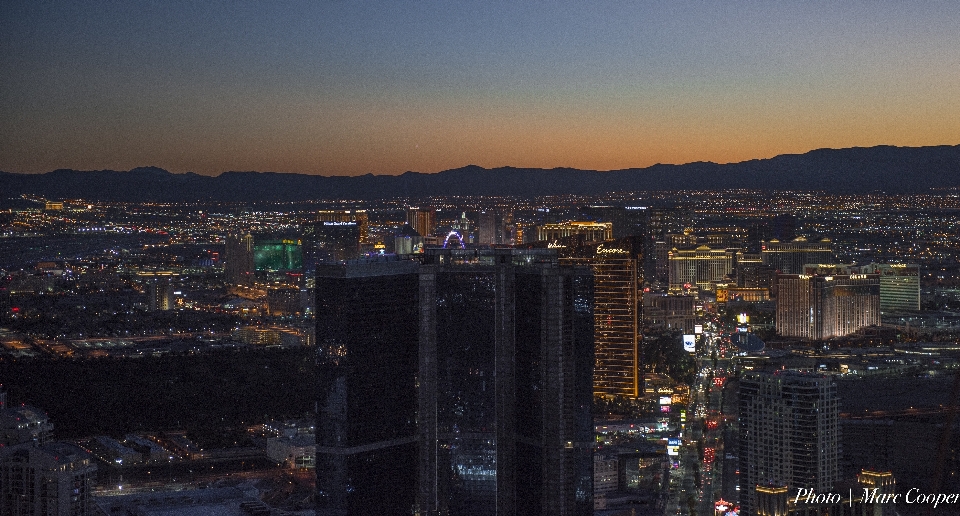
347,88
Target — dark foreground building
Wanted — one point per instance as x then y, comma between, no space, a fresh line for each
461,385
367,331
789,434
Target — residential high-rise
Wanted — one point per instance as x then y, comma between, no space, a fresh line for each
52,479
459,385
827,301
789,433
23,424
160,294
367,355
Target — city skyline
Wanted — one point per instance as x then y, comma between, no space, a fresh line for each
349,89
188,346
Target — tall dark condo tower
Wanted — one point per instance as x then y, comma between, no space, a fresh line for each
789,434
367,334
496,349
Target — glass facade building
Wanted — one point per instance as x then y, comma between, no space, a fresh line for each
460,384
367,331
506,355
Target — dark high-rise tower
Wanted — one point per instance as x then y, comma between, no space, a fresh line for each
367,334
330,241
496,349
238,255
790,257
627,221
506,356
789,433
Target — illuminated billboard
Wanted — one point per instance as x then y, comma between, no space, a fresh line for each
690,343
665,400
673,447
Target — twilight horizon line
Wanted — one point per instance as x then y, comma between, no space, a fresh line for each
484,167
350,88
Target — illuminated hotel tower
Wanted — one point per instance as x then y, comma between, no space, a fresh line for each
592,231
899,286
617,276
460,384
703,267
828,301
358,216
238,255
422,220
790,257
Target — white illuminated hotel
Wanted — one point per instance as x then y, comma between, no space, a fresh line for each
827,301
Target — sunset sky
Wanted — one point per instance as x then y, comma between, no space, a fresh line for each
353,87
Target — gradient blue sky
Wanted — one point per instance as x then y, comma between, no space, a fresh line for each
346,88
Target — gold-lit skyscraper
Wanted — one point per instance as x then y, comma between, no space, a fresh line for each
422,220
617,369
617,276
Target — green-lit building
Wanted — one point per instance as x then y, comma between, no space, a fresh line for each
277,255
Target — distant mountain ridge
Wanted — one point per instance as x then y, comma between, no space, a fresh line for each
854,170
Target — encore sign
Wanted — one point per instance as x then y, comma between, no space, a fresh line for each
610,250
